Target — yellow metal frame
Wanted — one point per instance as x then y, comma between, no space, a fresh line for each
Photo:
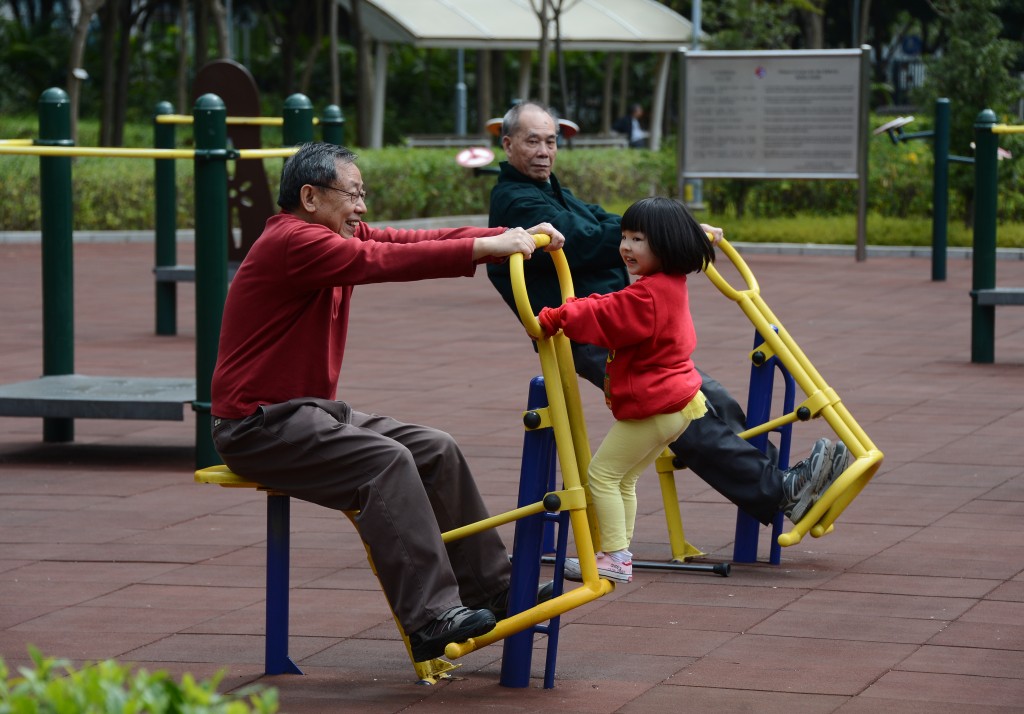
429,671
822,401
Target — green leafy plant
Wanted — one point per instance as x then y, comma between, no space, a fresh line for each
53,686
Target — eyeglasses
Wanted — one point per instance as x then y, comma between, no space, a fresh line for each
353,197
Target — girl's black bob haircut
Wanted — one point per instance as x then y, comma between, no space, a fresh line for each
674,235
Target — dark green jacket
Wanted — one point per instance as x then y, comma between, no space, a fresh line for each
592,238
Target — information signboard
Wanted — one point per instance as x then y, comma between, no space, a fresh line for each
784,114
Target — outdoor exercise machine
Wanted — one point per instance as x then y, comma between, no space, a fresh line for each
61,395
250,203
774,342
939,135
569,505
985,296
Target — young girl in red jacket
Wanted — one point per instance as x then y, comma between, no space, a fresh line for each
651,384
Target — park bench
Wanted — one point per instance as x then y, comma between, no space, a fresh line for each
443,141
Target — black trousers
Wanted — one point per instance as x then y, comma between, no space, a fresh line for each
409,483
710,446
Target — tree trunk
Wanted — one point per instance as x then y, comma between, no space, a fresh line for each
484,93
87,9
814,29
219,15
109,18
623,86
332,24
200,22
314,48
540,7
865,18
364,78
183,57
606,94
124,58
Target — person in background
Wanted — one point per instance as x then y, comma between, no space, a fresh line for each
630,126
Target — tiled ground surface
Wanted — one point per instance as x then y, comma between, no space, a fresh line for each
914,604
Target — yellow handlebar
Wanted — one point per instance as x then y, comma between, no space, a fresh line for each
526,315
721,283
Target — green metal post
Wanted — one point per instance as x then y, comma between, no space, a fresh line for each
211,257
57,250
298,120
332,125
983,317
940,189
166,224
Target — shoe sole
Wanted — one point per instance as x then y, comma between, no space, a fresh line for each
617,577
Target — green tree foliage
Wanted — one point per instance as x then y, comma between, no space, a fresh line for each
973,69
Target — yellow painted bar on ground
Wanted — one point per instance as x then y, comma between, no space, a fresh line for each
16,142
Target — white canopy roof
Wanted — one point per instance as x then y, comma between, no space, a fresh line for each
594,25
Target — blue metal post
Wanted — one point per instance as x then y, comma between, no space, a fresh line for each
759,404
276,659
535,474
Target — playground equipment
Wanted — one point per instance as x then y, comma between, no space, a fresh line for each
985,296
569,503
774,352
61,395
940,175
249,201
820,401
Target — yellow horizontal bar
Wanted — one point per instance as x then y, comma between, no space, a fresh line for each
104,151
251,121
267,153
123,153
16,142
492,522
1007,129
537,614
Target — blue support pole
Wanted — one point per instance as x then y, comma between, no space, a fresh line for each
536,473
276,659
759,405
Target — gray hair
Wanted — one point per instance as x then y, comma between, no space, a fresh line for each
316,164
510,122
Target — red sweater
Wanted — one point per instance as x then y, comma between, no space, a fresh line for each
286,314
649,333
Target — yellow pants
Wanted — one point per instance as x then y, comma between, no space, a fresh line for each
630,447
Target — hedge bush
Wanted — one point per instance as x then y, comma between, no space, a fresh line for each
117,194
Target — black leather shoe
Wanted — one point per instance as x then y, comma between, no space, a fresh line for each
456,625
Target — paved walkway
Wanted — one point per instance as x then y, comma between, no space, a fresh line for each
915,603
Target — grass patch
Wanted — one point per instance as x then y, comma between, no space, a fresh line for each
842,230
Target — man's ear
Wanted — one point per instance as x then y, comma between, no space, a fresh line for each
506,141
309,199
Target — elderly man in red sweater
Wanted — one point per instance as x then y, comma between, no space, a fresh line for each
277,419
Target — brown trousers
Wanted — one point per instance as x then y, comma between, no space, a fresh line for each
409,483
